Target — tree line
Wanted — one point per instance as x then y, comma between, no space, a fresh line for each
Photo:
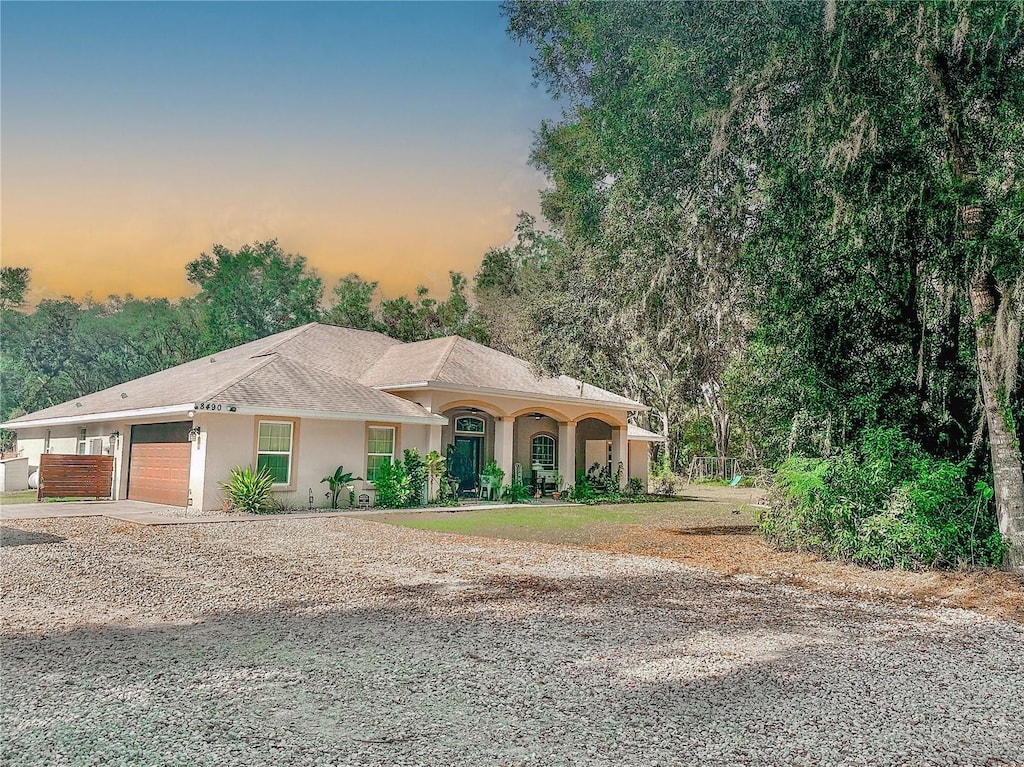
784,225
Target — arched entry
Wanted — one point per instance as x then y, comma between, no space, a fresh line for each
465,454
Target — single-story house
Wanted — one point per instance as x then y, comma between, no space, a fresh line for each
307,400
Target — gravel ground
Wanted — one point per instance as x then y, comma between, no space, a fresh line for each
347,642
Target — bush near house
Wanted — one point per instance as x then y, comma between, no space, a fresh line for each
402,485
884,502
249,489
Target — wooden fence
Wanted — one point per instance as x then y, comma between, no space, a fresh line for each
75,476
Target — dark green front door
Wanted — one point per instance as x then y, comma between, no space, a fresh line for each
465,462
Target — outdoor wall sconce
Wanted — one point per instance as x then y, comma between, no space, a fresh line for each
113,438
193,434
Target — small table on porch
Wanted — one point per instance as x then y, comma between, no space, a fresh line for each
542,478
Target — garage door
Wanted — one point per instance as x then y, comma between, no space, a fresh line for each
159,463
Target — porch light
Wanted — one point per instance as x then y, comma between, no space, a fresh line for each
537,416
193,434
113,437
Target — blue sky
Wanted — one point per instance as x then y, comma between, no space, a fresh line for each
390,139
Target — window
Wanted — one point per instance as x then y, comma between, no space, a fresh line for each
542,452
470,425
274,450
46,443
380,449
81,441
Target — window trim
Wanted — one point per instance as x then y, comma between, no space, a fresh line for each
83,442
554,450
483,425
366,447
292,452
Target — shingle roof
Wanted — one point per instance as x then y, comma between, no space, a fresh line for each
457,361
641,434
311,367
293,386
324,368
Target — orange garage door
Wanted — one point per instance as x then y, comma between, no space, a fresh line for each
159,463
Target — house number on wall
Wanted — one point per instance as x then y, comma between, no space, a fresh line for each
208,406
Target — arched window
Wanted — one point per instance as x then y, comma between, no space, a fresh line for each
469,425
542,452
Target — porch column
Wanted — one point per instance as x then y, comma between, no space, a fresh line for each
620,452
434,440
504,428
567,452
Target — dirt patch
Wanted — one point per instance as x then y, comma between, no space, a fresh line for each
713,530
994,593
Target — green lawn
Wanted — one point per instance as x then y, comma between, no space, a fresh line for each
712,511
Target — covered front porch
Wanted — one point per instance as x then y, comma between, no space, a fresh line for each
537,447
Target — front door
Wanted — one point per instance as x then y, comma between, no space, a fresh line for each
465,462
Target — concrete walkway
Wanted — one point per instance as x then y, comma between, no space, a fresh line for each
142,513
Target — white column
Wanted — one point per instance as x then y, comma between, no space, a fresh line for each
504,429
567,452
620,452
434,440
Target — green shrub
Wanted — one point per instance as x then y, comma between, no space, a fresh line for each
446,496
515,493
394,489
634,487
416,471
884,502
249,489
598,485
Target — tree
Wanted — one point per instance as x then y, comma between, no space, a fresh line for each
13,285
353,304
252,293
848,174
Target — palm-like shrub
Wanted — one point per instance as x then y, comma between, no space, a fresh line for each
249,489
337,482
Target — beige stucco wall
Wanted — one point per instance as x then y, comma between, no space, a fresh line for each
321,445
639,461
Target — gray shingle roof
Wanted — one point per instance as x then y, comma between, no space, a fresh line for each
324,368
457,361
289,385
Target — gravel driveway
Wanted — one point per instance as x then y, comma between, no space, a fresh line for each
347,642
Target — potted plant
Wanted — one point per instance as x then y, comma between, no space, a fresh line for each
491,478
557,494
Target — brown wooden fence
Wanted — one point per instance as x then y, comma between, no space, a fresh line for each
75,476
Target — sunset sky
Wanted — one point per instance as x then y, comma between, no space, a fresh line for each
389,139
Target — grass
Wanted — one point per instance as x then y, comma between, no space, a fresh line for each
18,496
583,525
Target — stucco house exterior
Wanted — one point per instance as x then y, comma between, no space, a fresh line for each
307,400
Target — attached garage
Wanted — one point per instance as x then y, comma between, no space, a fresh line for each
158,466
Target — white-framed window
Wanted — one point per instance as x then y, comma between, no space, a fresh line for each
380,449
46,442
469,425
82,441
542,451
274,449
